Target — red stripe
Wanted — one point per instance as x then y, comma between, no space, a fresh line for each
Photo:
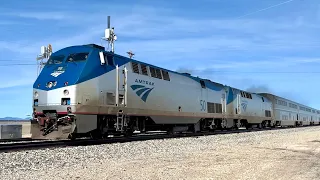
60,113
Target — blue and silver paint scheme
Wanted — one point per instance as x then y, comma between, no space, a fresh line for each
180,99
249,106
92,89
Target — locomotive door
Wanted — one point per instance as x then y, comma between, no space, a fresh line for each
239,104
223,103
121,86
203,97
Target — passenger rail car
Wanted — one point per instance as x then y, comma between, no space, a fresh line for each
87,91
290,113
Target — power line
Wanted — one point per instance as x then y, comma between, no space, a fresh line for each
8,60
264,9
20,64
209,71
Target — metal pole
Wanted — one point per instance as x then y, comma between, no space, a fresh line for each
117,85
125,86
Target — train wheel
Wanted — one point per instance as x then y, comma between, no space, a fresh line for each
263,124
128,133
71,136
96,134
236,124
170,130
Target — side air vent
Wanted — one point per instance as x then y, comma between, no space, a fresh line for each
135,67
165,75
214,107
144,69
267,113
158,73
210,107
153,72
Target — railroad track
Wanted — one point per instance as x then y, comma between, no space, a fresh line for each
16,140
9,147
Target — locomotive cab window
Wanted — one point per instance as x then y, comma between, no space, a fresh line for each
56,59
109,59
76,57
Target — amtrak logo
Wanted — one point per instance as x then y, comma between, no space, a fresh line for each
142,91
57,72
244,105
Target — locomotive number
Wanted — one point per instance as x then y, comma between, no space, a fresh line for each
203,105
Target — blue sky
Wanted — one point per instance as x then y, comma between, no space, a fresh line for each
274,50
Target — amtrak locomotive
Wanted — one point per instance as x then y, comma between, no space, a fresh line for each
85,90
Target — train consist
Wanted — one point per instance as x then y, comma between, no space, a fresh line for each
85,90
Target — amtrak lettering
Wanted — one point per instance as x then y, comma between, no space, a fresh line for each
140,81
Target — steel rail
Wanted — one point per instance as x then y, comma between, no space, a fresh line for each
9,147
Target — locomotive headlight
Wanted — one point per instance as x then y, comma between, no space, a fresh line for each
49,85
36,94
66,92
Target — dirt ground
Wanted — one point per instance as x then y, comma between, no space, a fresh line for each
287,156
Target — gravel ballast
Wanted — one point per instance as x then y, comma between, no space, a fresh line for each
275,154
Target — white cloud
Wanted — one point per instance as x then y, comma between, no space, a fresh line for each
39,15
160,40
180,33
255,65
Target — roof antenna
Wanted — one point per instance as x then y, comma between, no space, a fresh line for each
131,54
109,35
45,54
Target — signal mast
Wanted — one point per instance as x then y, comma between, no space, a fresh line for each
45,54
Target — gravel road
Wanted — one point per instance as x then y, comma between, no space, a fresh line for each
278,154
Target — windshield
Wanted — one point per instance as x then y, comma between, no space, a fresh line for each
56,59
77,57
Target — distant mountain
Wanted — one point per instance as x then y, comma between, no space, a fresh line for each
13,118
